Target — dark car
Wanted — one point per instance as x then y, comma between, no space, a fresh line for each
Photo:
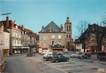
59,58
84,56
101,56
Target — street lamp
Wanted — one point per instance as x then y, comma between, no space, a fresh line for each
30,50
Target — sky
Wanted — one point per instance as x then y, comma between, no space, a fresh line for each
33,14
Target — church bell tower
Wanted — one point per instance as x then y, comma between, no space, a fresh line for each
68,30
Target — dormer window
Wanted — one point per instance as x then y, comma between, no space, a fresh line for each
53,36
16,26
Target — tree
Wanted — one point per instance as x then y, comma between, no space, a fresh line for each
82,27
103,20
99,38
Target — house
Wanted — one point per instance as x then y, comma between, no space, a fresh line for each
78,46
93,39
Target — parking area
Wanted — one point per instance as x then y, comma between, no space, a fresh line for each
76,65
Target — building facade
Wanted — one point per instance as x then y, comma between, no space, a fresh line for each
78,46
55,38
4,46
29,39
20,37
4,40
94,39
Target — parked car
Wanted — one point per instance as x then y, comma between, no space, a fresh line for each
67,54
75,55
81,55
47,56
45,51
59,58
84,56
101,56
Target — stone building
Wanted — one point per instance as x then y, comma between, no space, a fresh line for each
4,46
94,39
15,33
29,39
4,40
55,38
20,37
78,46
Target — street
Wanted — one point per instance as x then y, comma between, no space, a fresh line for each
35,64
20,64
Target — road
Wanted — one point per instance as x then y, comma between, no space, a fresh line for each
22,64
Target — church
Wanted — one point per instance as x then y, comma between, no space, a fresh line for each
56,38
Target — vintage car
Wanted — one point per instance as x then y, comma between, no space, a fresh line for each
101,56
59,58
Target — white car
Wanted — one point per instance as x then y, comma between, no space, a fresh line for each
47,56
76,55
45,51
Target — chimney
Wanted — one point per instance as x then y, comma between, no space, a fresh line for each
7,18
7,21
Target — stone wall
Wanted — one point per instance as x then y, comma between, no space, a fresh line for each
46,39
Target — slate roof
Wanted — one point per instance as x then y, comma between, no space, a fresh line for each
51,27
99,29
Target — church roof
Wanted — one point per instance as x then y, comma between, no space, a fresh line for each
51,27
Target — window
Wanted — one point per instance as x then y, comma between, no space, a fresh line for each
53,36
59,36
67,28
69,36
52,42
16,26
92,37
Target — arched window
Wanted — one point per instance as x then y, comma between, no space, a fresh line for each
69,27
67,35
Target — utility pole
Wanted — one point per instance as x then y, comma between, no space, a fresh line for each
10,30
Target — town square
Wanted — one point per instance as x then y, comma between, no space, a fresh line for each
59,36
